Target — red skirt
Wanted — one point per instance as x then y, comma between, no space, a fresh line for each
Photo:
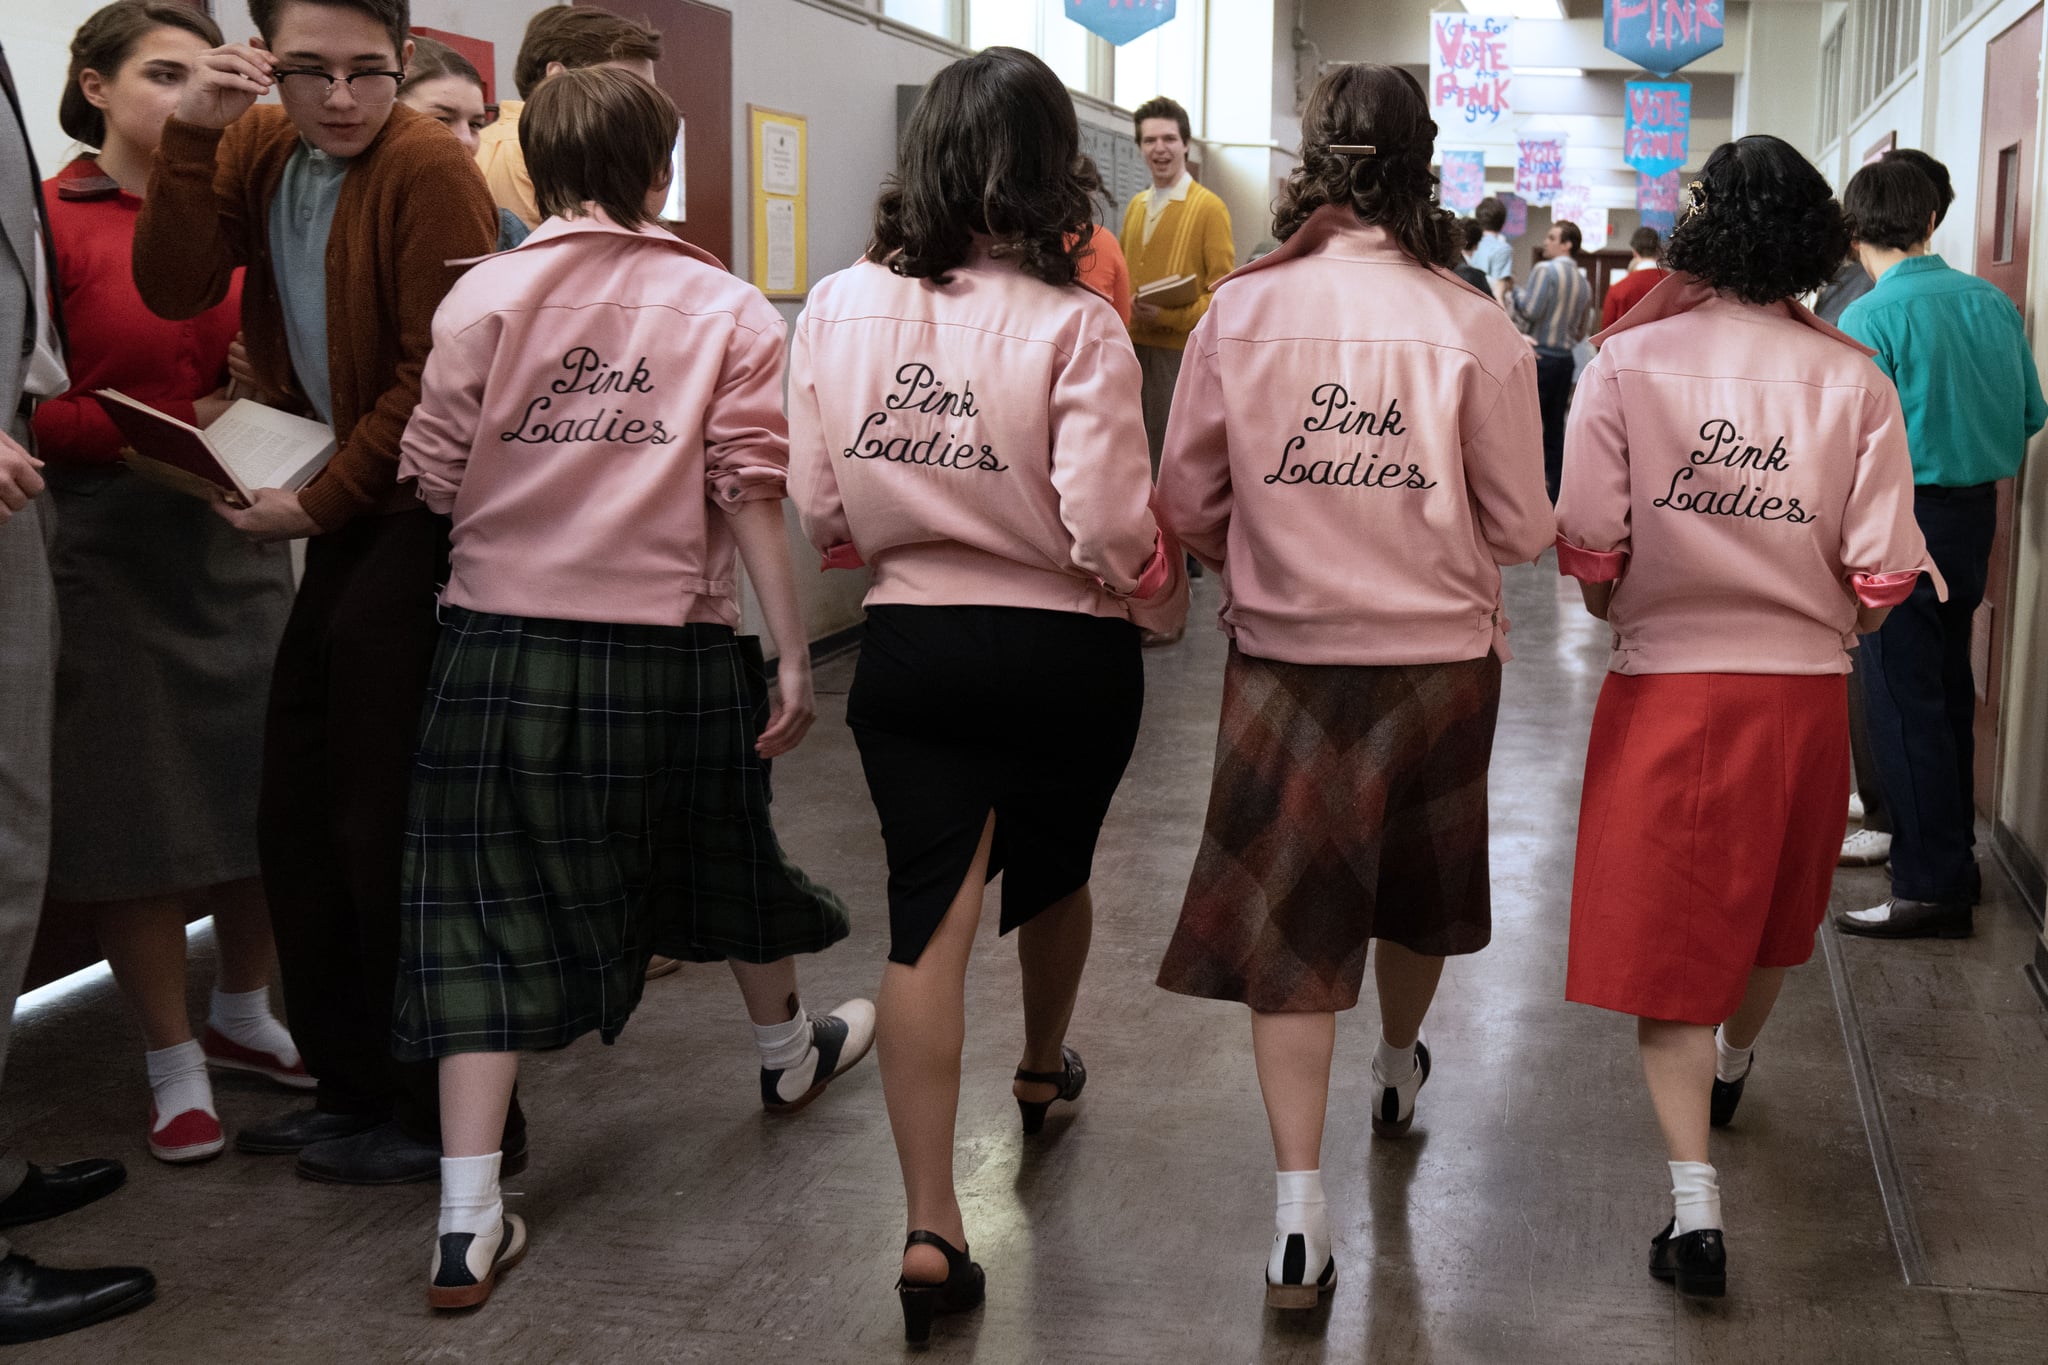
1713,813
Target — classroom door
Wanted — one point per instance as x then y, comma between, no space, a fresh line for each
2005,198
695,71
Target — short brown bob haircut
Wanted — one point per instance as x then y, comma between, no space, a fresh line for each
578,36
598,135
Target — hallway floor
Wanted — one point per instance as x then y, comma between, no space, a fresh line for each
1897,1121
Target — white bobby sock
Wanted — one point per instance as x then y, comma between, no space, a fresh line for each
469,1194
178,1081
245,1018
1301,1209
1392,1065
1731,1064
784,1045
1695,1196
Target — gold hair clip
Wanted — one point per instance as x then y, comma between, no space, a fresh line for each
1697,192
1353,148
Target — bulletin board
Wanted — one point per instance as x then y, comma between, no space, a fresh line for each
778,181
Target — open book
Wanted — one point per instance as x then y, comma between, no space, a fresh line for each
248,447
1175,291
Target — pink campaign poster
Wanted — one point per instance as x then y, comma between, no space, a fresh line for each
1539,169
1518,215
1464,183
1657,201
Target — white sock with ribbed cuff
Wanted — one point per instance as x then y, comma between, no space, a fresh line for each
470,1201
244,1017
178,1082
1695,1196
784,1045
1300,1208
1731,1064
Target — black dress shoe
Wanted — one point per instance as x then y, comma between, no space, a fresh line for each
38,1301
1696,1263
49,1191
1727,1094
387,1155
1911,919
300,1129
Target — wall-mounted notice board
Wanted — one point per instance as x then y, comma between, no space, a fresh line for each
777,152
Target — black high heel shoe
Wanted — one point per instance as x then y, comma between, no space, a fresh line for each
961,1290
1069,1078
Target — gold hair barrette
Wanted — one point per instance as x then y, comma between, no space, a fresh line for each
1353,148
1697,192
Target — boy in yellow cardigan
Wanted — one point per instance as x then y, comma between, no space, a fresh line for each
1175,228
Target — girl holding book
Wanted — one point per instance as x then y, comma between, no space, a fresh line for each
601,416
170,618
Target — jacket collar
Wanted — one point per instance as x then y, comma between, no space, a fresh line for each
1926,264
1678,293
82,180
1335,231
596,221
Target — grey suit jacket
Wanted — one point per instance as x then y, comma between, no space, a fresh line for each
19,195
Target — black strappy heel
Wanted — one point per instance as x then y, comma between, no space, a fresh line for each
961,1290
1069,1078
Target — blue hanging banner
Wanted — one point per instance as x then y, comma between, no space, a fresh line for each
1661,36
1656,125
1120,20
1464,181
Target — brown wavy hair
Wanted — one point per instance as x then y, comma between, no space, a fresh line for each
1384,108
108,39
992,147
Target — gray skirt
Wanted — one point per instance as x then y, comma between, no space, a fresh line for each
169,622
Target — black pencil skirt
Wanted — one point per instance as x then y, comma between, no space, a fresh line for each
960,711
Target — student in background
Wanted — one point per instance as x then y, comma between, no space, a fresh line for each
589,647
1718,769
1494,257
1176,227
558,38
1470,235
336,183
1103,270
443,84
1552,308
170,617
1364,607
964,416
39,1300
1958,351
1643,275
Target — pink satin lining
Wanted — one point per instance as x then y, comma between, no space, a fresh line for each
1158,571
1884,589
842,556
1589,566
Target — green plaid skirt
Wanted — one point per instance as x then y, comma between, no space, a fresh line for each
586,795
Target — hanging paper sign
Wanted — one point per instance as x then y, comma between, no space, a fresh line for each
1594,229
1464,181
1518,215
1539,168
1120,20
1662,36
1571,204
1656,124
1468,70
1657,201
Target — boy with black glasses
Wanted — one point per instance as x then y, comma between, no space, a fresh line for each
345,208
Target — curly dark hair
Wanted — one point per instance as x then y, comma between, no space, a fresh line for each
992,147
1381,107
1763,224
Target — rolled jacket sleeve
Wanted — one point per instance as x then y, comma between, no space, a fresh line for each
434,451
1593,495
1194,463
813,477
746,437
1100,469
1881,541
1503,456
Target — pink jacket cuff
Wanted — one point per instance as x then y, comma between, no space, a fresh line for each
1589,566
747,483
1158,571
1884,589
842,556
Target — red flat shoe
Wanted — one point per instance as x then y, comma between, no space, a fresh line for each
193,1135
225,1054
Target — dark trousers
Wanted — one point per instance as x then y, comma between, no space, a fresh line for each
1921,700
1876,817
1553,396
337,762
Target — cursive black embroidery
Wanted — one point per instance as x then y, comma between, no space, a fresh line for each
918,390
1334,413
590,374
1726,448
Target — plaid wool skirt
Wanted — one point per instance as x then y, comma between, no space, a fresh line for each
1348,804
586,795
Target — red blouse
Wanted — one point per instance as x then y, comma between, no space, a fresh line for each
116,342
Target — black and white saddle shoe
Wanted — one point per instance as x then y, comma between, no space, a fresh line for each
1727,1094
467,1265
1395,1110
838,1041
1293,1289
1697,1263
